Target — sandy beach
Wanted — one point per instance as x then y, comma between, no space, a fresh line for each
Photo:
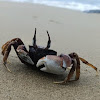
70,31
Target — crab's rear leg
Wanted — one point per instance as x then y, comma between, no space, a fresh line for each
77,68
77,72
67,79
6,48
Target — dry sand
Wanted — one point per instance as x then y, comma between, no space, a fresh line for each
70,31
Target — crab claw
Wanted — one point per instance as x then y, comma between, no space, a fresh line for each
52,64
24,55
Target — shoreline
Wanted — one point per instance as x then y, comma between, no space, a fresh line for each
90,11
88,7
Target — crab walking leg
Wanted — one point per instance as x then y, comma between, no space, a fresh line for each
6,48
77,69
5,59
6,54
71,71
7,68
77,72
87,63
67,79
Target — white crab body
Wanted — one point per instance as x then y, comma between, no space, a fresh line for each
53,64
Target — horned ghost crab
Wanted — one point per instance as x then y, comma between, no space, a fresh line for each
38,56
30,57
58,65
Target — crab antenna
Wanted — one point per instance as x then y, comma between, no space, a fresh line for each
49,41
34,38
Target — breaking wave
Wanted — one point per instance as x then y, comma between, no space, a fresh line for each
81,5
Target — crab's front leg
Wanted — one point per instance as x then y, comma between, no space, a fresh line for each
6,48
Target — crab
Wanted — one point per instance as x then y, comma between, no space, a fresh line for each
58,65
30,57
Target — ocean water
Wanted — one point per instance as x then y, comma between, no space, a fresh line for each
81,5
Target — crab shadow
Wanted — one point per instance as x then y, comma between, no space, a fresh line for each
46,75
35,72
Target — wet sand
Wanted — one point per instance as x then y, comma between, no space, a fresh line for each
70,31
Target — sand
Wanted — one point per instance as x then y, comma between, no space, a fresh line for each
70,31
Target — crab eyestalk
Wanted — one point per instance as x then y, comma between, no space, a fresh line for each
34,39
49,41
